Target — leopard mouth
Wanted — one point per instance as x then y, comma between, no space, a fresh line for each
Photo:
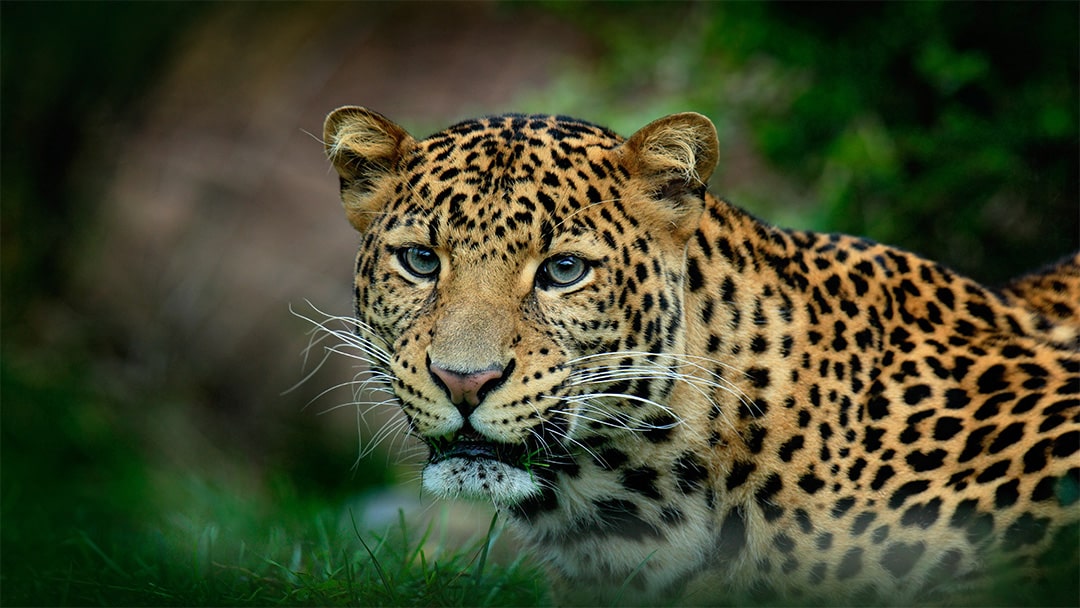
470,445
467,464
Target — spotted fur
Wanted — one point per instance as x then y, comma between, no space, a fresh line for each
1051,292
672,399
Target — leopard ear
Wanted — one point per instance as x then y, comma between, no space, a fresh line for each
364,146
676,155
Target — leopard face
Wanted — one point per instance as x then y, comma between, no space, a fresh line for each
514,320
668,395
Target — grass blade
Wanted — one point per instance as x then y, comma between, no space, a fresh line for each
378,567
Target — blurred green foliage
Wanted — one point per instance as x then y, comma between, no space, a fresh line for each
947,128
83,505
67,465
943,127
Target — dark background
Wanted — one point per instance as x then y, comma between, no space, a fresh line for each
165,201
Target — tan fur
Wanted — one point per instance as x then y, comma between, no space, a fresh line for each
1052,292
363,145
684,144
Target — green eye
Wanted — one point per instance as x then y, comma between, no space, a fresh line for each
419,261
561,271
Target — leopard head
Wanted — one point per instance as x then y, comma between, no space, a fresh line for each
519,283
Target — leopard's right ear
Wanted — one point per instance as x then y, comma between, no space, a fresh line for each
364,146
675,156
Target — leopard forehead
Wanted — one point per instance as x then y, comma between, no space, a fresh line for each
519,180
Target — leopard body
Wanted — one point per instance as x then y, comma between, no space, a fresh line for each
670,398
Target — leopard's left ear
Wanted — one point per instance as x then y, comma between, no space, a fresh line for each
675,155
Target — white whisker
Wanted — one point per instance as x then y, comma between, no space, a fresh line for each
356,341
619,420
665,366
593,395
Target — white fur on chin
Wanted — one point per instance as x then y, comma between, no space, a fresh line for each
479,478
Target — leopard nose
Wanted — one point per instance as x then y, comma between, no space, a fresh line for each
467,389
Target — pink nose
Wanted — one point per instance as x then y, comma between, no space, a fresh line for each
467,389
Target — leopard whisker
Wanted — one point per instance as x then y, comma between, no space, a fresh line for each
362,357
697,384
391,429
691,361
567,440
636,398
355,334
375,383
564,438
412,445
621,420
358,341
611,422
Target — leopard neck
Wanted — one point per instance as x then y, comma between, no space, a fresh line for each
745,315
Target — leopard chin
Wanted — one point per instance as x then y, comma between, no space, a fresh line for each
480,478
468,465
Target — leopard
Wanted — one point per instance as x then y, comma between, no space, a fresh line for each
671,401
1051,290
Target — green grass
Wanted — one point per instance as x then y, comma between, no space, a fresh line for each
222,550
88,519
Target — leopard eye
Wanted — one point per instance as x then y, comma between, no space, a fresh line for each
561,271
419,261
